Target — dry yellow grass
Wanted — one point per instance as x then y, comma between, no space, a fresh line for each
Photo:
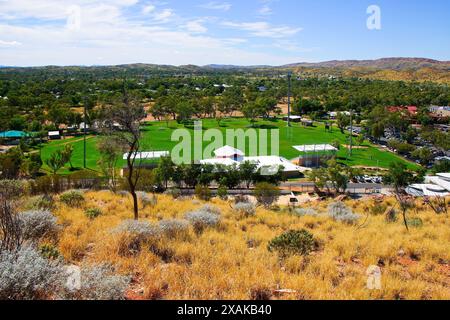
232,261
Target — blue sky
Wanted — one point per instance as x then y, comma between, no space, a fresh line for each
274,32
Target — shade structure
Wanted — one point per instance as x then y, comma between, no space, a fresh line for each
148,155
316,148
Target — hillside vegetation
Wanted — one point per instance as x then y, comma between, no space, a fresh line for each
228,258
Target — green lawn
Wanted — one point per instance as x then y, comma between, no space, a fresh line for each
157,137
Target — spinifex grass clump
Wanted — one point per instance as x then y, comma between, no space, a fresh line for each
72,198
206,217
174,228
340,212
305,212
147,200
93,213
293,242
134,234
44,202
245,209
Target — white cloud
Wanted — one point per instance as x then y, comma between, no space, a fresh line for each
163,16
224,6
106,31
9,43
265,10
263,29
195,27
148,9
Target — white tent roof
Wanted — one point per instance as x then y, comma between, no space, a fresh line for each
149,155
228,151
224,162
315,148
273,161
261,162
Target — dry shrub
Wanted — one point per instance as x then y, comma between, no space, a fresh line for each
260,294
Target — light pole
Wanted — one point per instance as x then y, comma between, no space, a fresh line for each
351,133
84,131
289,98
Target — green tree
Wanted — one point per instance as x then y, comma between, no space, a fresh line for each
165,170
111,151
399,178
67,153
343,121
266,193
127,112
247,171
56,161
424,155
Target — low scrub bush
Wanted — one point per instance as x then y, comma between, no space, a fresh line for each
222,192
49,251
293,242
37,224
415,222
25,275
13,188
203,193
72,198
200,220
210,209
134,234
305,212
378,209
245,209
44,202
174,228
391,216
100,282
260,293
92,213
340,212
148,200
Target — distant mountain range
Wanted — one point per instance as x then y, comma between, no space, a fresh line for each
407,69
384,63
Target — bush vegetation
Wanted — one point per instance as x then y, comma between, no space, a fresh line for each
231,260
72,198
37,224
340,212
293,242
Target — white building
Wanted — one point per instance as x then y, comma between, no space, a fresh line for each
434,186
228,156
54,135
230,153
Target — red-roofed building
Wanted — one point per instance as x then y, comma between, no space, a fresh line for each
407,110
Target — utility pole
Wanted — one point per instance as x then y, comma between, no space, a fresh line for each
84,131
351,133
289,98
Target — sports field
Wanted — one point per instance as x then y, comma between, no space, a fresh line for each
156,136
